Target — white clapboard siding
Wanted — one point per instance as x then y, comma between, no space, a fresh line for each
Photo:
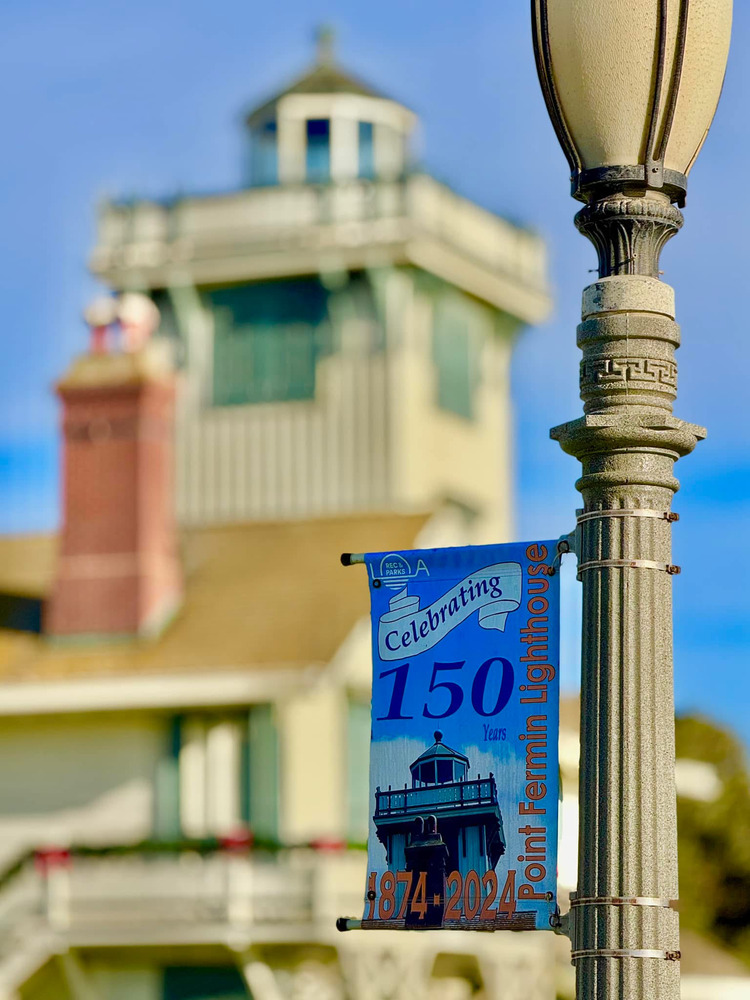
286,460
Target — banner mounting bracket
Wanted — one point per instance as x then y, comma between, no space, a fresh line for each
565,544
352,559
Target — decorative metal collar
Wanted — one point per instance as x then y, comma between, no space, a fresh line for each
651,173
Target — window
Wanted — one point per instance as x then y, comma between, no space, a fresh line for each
264,162
195,982
219,773
210,762
366,151
267,339
262,364
444,771
427,773
167,784
456,359
318,162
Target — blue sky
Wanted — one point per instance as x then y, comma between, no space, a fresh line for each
145,98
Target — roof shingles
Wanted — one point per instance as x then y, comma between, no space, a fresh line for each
258,596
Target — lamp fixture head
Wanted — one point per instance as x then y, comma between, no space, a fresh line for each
631,87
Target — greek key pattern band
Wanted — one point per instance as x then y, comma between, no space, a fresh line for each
604,372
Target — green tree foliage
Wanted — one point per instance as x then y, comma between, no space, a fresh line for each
714,840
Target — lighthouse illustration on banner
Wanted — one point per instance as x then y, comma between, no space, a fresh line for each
445,822
463,762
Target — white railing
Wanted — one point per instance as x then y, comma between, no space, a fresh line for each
452,795
180,898
301,459
108,894
150,234
188,890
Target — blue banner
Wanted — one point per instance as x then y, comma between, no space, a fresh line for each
463,766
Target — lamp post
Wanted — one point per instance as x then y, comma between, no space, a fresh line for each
631,87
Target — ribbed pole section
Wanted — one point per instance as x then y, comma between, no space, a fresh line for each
624,926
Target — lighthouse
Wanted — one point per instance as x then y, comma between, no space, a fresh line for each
461,813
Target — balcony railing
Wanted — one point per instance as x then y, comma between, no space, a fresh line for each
180,896
455,795
302,219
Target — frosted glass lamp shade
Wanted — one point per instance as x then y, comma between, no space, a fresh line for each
631,85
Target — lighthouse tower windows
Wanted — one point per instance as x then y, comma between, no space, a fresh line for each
318,155
264,156
444,771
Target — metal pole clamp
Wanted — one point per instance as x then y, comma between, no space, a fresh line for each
666,956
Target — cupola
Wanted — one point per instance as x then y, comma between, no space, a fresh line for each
438,765
328,126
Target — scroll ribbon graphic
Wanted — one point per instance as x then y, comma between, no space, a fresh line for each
494,592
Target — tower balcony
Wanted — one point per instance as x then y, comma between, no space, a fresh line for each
479,795
462,809
295,229
170,899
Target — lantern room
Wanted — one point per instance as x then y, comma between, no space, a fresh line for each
328,126
438,765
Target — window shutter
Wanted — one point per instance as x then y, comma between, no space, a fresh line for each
167,786
456,361
263,772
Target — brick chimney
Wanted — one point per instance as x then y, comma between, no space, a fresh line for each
118,571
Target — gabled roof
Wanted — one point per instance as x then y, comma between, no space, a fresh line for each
259,596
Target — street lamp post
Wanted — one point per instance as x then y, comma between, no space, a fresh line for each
631,87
